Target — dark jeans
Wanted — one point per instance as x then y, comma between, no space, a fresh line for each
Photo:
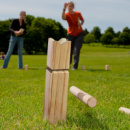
76,45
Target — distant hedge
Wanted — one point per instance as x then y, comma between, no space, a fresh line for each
109,37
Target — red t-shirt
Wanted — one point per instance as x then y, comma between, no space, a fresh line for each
72,20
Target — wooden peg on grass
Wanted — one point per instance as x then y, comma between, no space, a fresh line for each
83,67
106,67
26,67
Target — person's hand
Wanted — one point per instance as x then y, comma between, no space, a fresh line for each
65,5
20,32
16,33
79,24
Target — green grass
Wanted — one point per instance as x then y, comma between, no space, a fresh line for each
22,92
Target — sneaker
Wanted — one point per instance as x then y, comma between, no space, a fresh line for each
2,68
73,69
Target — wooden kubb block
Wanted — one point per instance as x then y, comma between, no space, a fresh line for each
57,77
56,91
58,56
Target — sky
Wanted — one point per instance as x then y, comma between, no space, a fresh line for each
102,13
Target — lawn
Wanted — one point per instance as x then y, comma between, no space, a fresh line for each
22,92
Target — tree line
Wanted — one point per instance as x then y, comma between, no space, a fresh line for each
109,37
40,29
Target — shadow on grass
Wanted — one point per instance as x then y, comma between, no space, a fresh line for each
96,70
124,47
38,68
87,121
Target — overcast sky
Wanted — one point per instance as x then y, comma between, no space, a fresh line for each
102,13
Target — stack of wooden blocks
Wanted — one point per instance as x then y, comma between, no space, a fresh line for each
57,78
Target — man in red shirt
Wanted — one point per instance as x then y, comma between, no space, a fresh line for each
75,31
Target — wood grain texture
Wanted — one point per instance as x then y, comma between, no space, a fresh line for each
65,96
83,96
58,57
46,95
59,94
56,91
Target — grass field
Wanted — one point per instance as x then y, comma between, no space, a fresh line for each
22,92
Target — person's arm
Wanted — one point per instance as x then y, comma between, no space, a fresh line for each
81,20
63,13
11,28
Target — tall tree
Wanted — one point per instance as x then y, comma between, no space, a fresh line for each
126,29
111,30
4,35
124,38
97,33
106,38
115,41
117,34
89,38
86,31
41,29
29,19
33,41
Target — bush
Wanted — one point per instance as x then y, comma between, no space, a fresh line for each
97,33
106,38
4,35
124,38
33,41
115,41
38,31
89,38
110,30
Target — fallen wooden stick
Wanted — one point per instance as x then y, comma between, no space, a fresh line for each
84,97
125,110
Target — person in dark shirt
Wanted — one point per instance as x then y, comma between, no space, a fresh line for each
18,29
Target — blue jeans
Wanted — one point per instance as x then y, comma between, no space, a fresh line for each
13,41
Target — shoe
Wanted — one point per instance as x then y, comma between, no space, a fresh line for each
2,68
73,69
20,68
